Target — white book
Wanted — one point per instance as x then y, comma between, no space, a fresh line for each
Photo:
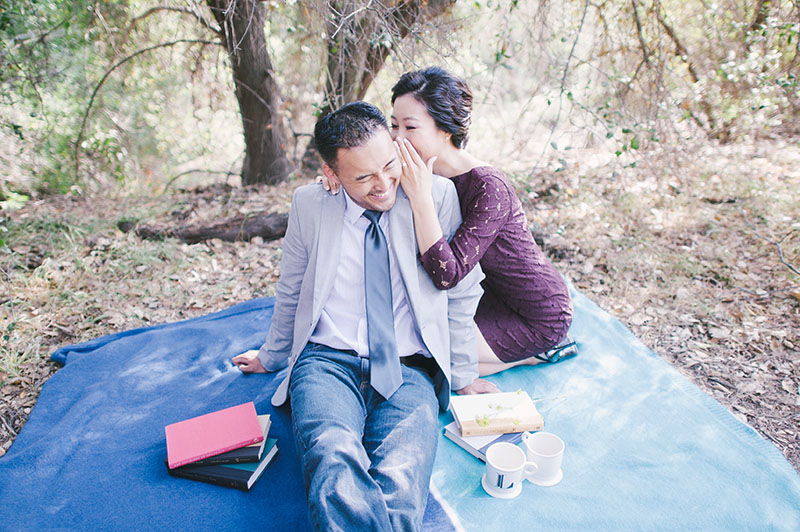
495,413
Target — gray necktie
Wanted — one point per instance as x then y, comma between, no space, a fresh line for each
384,363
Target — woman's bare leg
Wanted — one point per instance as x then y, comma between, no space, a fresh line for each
489,364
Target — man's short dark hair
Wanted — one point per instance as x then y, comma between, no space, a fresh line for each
347,127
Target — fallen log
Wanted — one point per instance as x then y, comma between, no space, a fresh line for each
242,228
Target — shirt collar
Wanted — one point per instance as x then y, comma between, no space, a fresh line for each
352,211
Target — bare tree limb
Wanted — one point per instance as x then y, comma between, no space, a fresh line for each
96,11
683,53
252,91
183,10
227,173
7,426
761,13
21,40
762,294
246,29
776,243
563,87
639,33
105,77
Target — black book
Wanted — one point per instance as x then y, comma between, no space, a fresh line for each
241,475
248,453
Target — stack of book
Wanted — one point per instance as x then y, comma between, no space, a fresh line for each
484,419
229,447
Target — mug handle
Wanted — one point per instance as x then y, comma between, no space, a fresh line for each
530,470
525,436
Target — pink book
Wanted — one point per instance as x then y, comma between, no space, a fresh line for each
211,434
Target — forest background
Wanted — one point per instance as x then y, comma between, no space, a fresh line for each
653,143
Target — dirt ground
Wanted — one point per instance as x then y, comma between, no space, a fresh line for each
693,254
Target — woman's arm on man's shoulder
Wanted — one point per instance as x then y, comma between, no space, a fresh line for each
449,261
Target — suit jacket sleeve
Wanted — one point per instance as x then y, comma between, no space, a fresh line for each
274,354
462,302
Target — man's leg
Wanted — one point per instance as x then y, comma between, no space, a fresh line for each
400,437
328,414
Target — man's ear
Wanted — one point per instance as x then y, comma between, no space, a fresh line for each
330,175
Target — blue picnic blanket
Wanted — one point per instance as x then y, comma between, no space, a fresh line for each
645,448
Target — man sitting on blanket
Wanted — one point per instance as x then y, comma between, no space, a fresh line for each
371,344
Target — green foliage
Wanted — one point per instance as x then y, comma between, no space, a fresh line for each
38,40
624,75
12,202
48,55
55,175
51,233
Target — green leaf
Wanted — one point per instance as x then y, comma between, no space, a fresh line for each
635,143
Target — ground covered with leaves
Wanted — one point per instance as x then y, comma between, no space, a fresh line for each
697,254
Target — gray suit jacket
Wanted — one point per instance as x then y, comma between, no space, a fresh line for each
308,269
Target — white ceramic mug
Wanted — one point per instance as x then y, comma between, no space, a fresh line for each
546,450
505,469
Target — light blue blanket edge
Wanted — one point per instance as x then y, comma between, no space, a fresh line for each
699,469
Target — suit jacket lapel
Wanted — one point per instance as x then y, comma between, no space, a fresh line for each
328,249
404,245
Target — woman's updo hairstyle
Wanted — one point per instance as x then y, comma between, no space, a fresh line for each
446,97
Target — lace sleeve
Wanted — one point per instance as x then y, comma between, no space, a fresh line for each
486,213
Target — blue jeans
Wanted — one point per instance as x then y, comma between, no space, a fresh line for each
366,461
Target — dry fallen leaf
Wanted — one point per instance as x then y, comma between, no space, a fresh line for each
719,332
639,319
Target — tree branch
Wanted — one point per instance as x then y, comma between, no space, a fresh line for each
183,10
563,86
645,50
762,10
105,77
196,170
775,243
246,29
681,51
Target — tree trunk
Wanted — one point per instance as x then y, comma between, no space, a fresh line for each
359,40
269,226
242,22
360,37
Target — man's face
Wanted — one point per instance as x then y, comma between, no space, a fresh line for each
369,173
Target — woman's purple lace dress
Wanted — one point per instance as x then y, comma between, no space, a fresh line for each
526,308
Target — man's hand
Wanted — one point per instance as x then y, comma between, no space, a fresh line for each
479,386
248,362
